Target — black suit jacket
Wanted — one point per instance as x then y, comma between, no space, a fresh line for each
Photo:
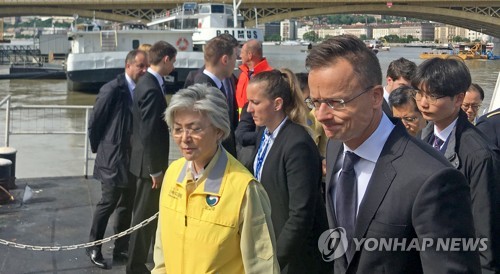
386,108
150,138
468,150
230,142
413,193
246,136
110,127
291,175
489,124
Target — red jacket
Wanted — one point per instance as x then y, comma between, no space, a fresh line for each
241,89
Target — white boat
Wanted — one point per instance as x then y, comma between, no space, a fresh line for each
98,55
495,99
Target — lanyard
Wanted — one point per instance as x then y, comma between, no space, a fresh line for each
261,153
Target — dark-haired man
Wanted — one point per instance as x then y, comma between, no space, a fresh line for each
220,55
380,182
150,148
399,73
442,84
110,127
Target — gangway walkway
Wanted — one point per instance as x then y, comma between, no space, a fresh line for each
20,54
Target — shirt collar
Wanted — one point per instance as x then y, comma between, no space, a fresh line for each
371,148
202,174
386,95
158,76
217,81
130,83
443,135
277,130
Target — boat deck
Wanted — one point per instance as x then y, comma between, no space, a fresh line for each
59,214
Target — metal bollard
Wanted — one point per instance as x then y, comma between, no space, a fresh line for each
9,153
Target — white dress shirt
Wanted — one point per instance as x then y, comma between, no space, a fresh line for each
159,78
131,85
445,133
270,140
369,152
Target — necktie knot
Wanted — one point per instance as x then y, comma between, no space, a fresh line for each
438,142
350,159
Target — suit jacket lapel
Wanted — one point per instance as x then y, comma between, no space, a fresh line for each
381,179
334,151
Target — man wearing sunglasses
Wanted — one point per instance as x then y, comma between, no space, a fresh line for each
442,84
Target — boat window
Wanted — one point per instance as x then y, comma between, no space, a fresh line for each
205,9
189,6
229,11
217,8
135,44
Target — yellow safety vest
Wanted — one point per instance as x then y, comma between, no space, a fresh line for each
203,238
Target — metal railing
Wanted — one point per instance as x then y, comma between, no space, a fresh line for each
46,120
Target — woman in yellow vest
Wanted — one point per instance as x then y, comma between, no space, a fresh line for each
214,216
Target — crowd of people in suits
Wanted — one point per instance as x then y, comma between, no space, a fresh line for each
273,160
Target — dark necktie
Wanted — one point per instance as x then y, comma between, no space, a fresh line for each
227,90
164,87
437,143
223,89
346,193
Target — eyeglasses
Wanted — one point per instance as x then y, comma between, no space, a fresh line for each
408,119
432,99
474,107
336,103
195,132
309,103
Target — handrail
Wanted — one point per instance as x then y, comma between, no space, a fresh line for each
5,99
19,131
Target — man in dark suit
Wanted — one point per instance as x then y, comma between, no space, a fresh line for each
150,148
382,184
489,124
220,55
110,127
442,85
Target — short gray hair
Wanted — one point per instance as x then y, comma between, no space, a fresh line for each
203,98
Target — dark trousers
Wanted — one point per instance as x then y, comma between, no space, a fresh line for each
146,205
118,200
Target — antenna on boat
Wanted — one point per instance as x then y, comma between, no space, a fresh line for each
235,12
256,16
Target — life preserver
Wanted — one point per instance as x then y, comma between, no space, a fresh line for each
182,43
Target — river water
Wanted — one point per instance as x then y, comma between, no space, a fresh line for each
43,155
484,72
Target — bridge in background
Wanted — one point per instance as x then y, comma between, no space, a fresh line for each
478,15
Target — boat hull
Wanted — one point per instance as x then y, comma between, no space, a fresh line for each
88,72
435,55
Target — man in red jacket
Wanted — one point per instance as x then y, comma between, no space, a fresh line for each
253,62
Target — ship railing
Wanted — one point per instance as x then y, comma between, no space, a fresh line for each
179,11
47,120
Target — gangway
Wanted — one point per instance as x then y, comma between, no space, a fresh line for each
20,54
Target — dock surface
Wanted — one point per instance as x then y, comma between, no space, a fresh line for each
58,214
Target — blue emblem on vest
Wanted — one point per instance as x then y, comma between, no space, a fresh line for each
212,200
